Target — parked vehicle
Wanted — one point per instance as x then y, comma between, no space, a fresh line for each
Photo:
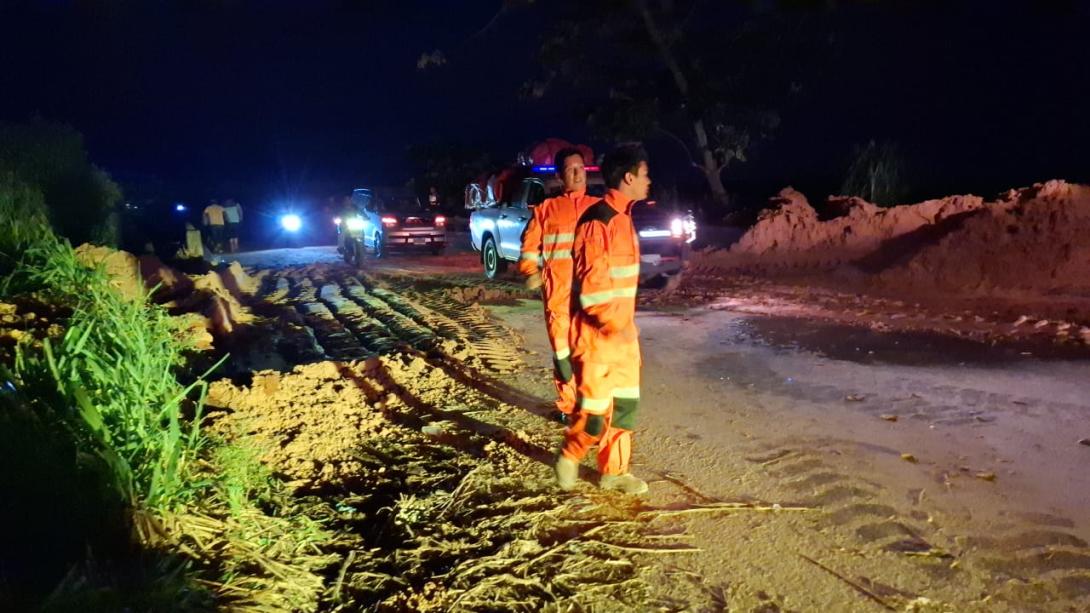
495,228
383,221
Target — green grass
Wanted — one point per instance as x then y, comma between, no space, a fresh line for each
113,375
114,495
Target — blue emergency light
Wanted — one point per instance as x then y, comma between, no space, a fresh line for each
553,168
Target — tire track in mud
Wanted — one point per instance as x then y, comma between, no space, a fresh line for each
1030,560
494,343
1035,560
353,316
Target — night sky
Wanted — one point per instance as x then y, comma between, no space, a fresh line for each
262,99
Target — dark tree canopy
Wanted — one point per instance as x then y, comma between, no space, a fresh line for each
710,76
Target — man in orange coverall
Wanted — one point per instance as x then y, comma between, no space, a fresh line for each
546,262
605,349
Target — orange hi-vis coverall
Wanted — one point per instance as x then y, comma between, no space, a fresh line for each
604,338
546,249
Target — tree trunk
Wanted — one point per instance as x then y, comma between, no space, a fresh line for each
709,166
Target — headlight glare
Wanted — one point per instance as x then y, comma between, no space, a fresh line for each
677,227
291,222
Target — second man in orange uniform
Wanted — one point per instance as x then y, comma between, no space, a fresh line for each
546,262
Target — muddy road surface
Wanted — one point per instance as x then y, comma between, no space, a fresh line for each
794,465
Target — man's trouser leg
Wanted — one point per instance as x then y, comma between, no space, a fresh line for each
607,399
564,380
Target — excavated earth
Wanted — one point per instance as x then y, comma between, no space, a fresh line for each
417,416
407,410
1015,269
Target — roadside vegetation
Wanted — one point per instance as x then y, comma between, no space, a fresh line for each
113,496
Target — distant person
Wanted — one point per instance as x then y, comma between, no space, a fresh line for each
433,198
232,214
214,220
194,248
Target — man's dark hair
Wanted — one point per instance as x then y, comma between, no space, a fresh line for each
623,159
563,154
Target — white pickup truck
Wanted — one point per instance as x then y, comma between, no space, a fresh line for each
495,228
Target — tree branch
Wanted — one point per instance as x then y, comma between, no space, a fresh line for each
664,50
684,147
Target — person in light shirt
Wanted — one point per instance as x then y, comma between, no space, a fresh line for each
214,220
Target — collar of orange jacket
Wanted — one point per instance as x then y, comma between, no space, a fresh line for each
619,202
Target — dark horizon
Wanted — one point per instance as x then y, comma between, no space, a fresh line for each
227,100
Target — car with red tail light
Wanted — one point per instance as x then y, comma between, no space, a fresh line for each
384,221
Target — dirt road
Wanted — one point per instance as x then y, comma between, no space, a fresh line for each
794,465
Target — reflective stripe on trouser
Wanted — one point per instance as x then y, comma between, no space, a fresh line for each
608,396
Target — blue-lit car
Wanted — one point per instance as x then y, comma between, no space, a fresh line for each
384,221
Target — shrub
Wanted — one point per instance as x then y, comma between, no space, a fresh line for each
80,198
877,174
23,221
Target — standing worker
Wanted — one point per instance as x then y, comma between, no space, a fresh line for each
213,219
546,262
232,214
605,345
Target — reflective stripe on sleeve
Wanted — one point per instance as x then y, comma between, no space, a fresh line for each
560,354
552,239
558,254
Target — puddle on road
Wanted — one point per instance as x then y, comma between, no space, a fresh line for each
866,346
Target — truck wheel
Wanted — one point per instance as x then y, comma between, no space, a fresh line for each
494,265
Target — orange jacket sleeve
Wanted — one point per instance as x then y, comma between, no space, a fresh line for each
591,255
531,257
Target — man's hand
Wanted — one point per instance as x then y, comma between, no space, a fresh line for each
533,281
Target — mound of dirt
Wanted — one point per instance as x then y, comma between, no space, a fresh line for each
791,235
1034,241
169,282
309,424
122,267
215,295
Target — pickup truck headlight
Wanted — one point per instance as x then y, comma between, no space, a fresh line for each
677,227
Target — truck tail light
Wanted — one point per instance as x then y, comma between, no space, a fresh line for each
389,221
440,221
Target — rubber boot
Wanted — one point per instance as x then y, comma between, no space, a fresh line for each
627,483
567,473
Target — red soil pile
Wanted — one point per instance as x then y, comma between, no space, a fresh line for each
1031,241
791,235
